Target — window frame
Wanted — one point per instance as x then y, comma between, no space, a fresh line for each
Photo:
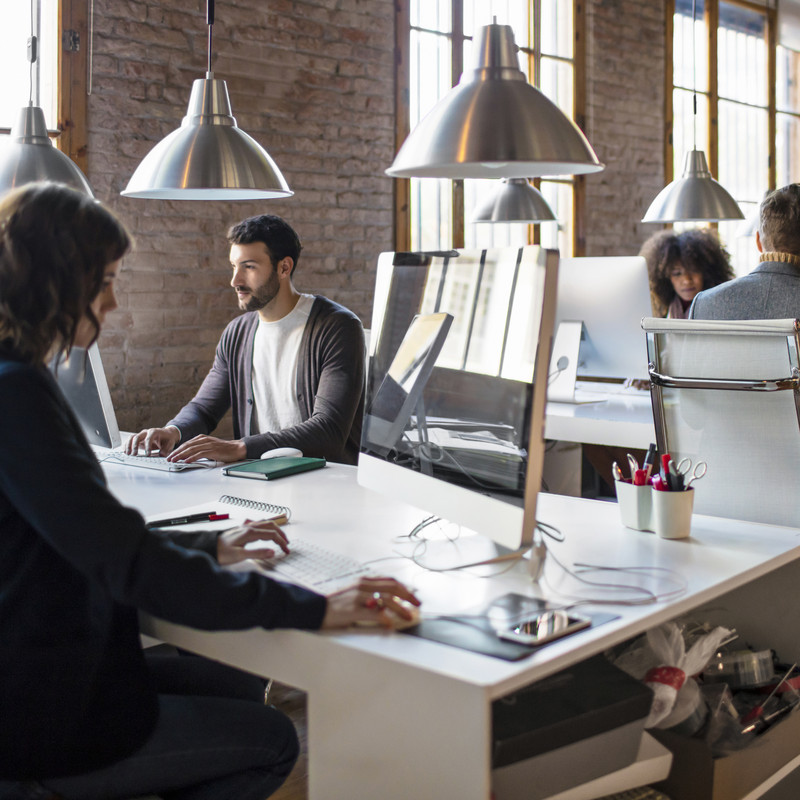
402,186
72,137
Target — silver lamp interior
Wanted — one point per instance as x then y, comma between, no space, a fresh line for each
209,157
494,124
515,200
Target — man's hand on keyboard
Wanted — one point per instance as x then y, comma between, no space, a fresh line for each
153,441
376,601
232,544
210,447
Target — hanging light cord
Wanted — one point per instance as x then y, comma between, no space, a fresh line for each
33,52
210,23
694,74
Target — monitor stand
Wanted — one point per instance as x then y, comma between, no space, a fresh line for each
564,366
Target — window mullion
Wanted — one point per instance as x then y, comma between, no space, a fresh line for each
772,102
712,29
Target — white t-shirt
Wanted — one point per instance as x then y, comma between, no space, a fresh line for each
275,354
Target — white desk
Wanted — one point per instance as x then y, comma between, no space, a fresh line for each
624,420
396,716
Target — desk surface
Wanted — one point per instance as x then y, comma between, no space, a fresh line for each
623,419
400,678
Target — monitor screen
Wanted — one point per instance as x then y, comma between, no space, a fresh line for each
600,306
455,415
83,382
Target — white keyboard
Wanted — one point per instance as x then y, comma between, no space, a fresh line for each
151,462
315,567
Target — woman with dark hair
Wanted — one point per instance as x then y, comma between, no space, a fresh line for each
83,712
681,265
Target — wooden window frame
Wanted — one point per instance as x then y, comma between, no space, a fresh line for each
73,59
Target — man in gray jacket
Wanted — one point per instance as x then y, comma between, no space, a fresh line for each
291,366
772,289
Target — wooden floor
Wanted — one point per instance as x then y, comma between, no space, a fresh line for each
293,703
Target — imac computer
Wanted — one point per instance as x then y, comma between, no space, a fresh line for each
81,378
598,334
456,392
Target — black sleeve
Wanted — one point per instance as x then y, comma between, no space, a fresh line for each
52,479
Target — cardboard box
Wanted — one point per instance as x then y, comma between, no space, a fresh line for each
695,775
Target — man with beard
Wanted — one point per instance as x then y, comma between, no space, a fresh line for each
291,367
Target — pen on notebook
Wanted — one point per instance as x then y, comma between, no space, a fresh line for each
208,516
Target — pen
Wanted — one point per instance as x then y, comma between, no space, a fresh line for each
208,516
649,460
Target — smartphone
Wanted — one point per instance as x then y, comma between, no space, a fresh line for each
545,627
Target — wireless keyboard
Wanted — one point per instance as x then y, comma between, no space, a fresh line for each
151,462
315,567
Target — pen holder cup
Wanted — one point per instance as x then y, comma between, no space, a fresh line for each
635,505
672,513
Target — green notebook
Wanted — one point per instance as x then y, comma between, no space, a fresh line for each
268,469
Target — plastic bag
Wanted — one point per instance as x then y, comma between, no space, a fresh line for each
673,664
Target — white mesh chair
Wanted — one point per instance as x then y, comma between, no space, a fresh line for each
728,393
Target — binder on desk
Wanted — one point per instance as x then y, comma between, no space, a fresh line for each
268,469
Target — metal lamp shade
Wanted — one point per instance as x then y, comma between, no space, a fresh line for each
209,157
694,197
514,201
27,155
494,124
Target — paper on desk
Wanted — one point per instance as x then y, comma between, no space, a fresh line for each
237,515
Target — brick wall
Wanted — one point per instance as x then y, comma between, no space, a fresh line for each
313,81
624,121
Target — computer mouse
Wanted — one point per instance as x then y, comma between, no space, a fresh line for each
283,452
398,623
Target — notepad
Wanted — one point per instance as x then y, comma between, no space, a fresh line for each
268,469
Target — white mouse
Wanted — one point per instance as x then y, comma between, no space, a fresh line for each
283,452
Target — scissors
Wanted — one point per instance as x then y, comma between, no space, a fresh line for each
685,467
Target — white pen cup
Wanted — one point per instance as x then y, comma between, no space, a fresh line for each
635,505
672,513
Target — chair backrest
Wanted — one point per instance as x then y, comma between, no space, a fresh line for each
728,393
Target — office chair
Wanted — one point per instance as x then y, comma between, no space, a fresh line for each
728,393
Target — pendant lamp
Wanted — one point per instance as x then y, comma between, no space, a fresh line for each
695,196
514,201
209,157
28,155
494,124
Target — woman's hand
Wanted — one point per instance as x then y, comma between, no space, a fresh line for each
373,601
231,543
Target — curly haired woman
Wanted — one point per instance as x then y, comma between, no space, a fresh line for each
681,265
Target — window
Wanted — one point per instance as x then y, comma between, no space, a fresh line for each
14,34
435,214
748,108
62,62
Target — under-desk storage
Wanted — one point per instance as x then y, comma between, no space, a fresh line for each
567,729
764,614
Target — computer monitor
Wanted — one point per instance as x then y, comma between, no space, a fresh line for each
471,449
82,379
598,334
